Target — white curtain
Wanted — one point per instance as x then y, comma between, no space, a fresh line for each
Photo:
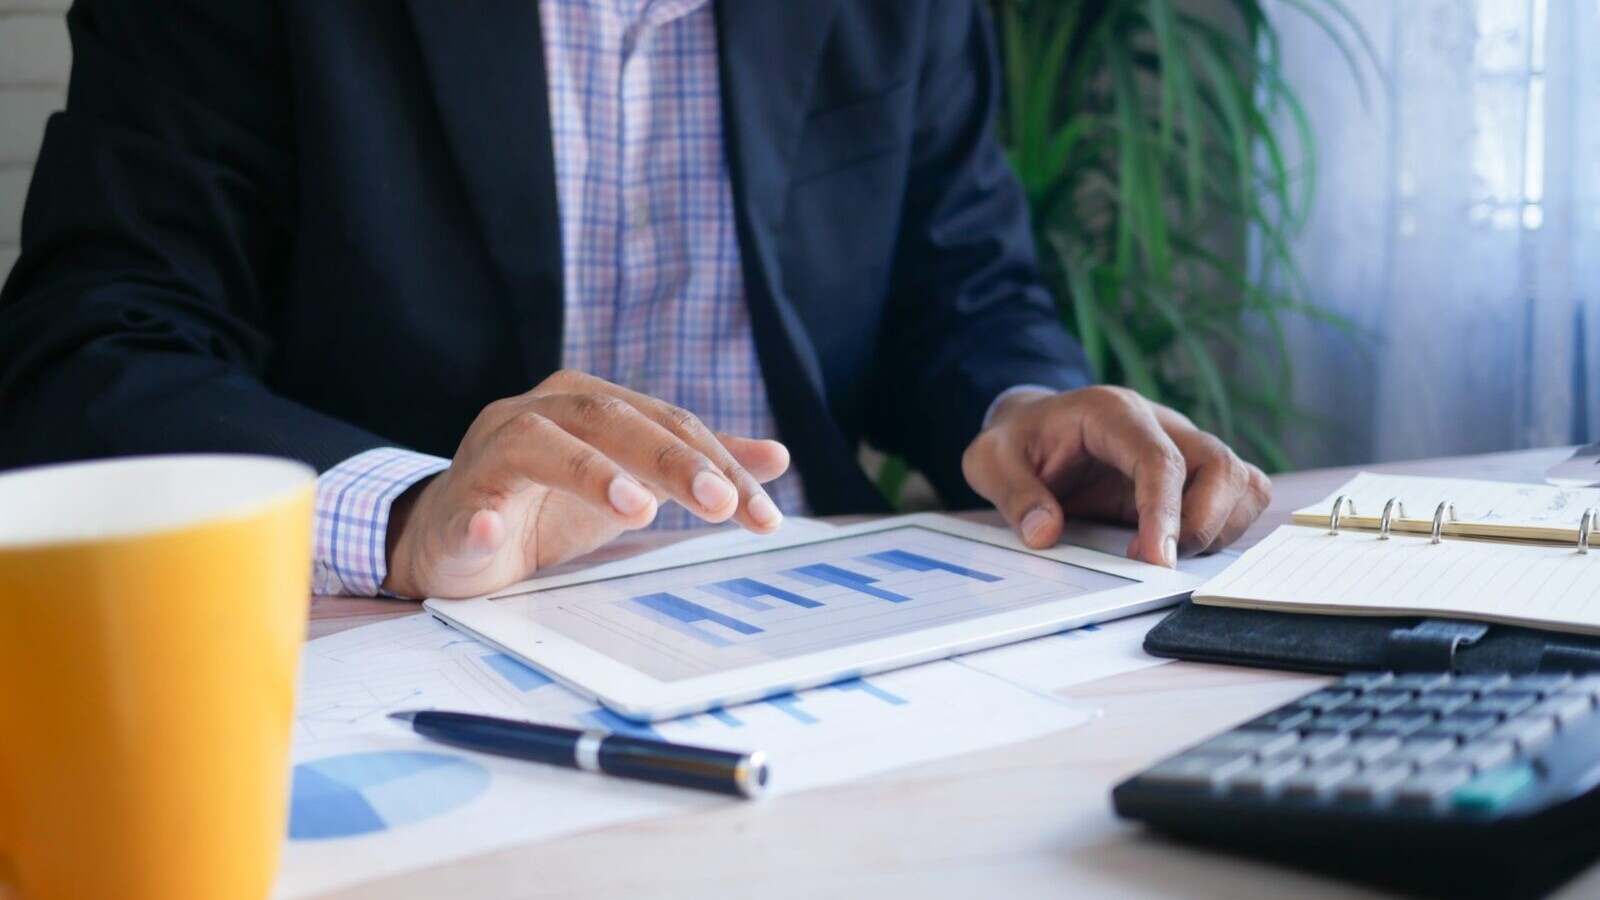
1457,223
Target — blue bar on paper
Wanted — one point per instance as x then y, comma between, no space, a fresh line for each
905,559
870,689
725,717
826,574
750,603
750,588
522,676
688,612
606,720
790,704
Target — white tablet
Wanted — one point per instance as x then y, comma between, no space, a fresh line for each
719,628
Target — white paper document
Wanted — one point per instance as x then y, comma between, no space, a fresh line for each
373,800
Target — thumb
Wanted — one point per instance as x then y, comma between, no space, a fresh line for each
1000,473
475,534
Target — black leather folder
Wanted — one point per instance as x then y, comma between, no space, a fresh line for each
1307,642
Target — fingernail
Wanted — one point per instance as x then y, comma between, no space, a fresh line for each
764,511
1034,522
1169,552
712,491
628,496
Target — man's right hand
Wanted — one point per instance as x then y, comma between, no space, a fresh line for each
557,472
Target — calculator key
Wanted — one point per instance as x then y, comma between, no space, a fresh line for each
1366,750
1460,726
1541,683
1586,684
1377,702
1421,751
1420,681
1196,770
1482,754
1315,746
1364,681
1258,743
1479,683
1265,775
1398,724
1319,777
1431,785
1285,719
1495,789
1501,704
1339,721
1441,703
1373,782
1325,700
1528,733
1565,708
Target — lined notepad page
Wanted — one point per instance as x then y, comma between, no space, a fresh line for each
1483,508
1305,569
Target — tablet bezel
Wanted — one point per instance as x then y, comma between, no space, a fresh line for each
635,695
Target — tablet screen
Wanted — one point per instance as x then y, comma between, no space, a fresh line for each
712,617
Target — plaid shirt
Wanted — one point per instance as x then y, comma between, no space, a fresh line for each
654,290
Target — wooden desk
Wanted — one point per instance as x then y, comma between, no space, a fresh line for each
1029,820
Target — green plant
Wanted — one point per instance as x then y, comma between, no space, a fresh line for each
1148,140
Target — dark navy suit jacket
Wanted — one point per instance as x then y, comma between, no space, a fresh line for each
313,227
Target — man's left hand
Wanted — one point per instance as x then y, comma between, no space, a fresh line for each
1108,453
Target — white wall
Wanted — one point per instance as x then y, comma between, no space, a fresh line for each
34,60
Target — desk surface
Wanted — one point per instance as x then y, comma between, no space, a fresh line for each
1028,820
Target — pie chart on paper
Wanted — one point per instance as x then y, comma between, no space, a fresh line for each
362,793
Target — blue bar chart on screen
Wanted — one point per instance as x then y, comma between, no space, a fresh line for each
684,622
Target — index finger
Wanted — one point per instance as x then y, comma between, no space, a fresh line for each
1131,440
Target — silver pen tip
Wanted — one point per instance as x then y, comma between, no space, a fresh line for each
406,717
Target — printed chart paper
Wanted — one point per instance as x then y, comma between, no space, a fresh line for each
371,799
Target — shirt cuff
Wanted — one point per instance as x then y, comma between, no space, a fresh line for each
1009,392
350,552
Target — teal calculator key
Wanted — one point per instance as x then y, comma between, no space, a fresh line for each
1493,790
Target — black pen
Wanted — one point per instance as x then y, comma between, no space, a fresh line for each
721,771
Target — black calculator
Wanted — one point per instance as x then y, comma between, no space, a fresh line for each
1435,784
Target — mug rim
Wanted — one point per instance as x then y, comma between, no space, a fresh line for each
291,476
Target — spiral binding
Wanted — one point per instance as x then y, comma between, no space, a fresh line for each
1342,503
1395,509
1389,509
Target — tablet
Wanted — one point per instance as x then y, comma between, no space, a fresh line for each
718,628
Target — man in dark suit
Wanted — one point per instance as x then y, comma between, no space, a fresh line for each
356,233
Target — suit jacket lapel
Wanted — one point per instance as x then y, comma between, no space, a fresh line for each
770,51
486,64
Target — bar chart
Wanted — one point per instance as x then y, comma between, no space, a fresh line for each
680,623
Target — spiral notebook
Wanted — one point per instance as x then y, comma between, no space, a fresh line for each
1390,545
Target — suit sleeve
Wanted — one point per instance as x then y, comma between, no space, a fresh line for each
136,318
968,316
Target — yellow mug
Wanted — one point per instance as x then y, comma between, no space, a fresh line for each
151,616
